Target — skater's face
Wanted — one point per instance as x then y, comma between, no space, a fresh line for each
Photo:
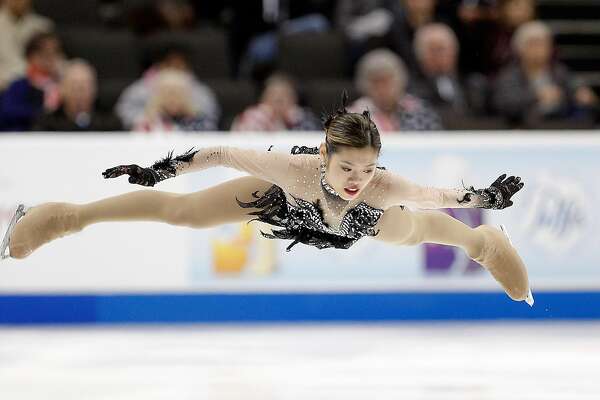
350,169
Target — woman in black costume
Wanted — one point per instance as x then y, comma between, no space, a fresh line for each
327,196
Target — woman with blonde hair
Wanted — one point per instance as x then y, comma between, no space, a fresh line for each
171,106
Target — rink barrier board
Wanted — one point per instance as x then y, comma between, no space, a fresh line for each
34,293
286,307
554,224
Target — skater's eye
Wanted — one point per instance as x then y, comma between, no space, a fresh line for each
346,169
368,171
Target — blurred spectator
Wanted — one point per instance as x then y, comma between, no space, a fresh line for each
366,24
247,20
78,89
413,15
278,110
536,87
475,22
476,10
256,24
18,24
363,19
382,78
132,102
147,17
171,105
511,15
439,82
28,97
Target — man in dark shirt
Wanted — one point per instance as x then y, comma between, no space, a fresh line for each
28,97
78,89
439,81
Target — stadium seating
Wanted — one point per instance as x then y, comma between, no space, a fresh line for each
207,49
233,97
114,53
313,55
69,13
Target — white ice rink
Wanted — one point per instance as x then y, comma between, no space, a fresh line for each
483,361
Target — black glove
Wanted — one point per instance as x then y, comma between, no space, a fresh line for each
157,172
497,196
137,174
504,189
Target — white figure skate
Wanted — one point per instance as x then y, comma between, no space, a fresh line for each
529,300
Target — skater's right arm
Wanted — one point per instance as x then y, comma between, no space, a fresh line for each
268,165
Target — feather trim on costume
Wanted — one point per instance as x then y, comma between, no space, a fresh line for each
167,167
303,222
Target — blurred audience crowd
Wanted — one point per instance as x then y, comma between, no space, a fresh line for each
417,65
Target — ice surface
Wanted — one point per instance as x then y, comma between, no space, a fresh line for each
483,361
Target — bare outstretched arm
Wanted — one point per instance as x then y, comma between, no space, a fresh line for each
268,165
497,196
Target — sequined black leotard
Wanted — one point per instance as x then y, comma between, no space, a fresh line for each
303,222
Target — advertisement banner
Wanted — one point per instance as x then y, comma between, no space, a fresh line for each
553,223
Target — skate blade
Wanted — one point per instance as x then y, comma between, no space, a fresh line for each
505,232
19,213
529,300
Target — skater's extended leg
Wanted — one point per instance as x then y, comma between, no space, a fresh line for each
406,227
209,207
484,244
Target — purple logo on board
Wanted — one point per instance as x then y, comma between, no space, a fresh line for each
450,260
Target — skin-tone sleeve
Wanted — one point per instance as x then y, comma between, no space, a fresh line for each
272,166
401,191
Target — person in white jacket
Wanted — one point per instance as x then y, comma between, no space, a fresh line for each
18,24
132,104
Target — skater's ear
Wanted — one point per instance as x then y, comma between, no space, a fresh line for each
323,152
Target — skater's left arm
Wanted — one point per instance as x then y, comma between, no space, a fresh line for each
497,196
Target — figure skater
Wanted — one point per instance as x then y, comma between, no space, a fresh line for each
326,196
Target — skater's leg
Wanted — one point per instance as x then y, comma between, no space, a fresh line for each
484,244
209,207
406,227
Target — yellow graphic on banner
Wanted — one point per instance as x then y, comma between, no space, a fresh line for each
247,250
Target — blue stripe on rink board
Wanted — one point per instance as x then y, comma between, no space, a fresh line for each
281,307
